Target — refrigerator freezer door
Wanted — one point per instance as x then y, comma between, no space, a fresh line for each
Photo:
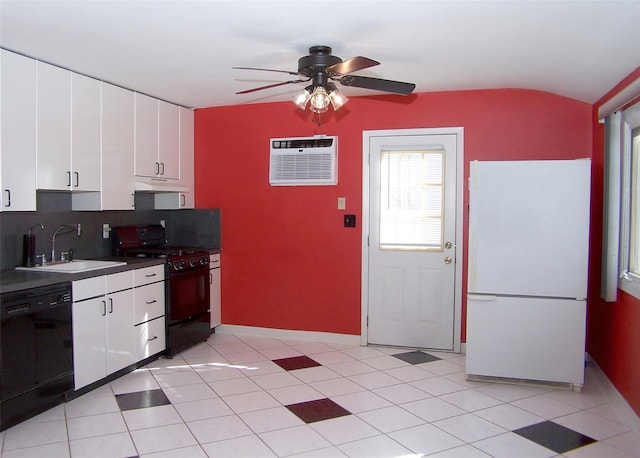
529,227
526,338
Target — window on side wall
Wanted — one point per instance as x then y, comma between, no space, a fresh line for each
630,202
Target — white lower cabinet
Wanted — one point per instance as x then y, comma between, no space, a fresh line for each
215,301
103,332
118,320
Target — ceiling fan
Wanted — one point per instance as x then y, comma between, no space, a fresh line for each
322,69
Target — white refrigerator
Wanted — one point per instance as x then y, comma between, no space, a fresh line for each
527,281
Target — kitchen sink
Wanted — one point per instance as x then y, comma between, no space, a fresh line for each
74,267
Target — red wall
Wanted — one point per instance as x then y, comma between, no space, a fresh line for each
613,327
288,261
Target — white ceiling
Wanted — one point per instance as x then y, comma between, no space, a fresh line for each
183,51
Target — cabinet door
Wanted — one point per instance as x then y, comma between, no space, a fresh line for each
146,136
54,127
187,155
151,338
17,132
214,294
85,133
169,140
149,302
118,183
89,341
121,338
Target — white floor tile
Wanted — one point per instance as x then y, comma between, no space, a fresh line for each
91,405
234,386
344,429
361,401
135,381
248,402
470,400
442,367
188,393
592,425
599,450
399,394
295,394
57,450
336,387
373,380
215,373
437,386
275,380
151,417
96,425
545,406
220,428
391,418
245,358
314,374
509,416
332,357
469,427
228,348
466,451
351,368
261,421
508,392
178,379
259,368
628,442
162,438
202,409
309,348
329,452
248,446
294,440
376,447
363,352
409,373
111,446
386,362
29,434
280,352
432,409
194,451
510,445
425,439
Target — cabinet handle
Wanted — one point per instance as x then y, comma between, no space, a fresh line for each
110,305
68,178
104,308
77,179
133,201
162,163
184,200
210,278
152,338
8,191
151,302
157,168
150,275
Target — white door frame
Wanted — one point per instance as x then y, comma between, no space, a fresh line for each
366,136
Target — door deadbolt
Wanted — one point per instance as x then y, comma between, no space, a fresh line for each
447,260
448,245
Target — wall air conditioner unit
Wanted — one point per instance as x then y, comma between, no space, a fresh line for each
304,161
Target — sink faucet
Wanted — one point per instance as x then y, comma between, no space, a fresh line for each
70,228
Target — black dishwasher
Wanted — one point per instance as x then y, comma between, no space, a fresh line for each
36,351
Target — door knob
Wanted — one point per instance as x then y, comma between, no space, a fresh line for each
447,260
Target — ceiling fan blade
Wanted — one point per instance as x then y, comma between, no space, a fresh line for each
395,87
270,86
265,70
351,65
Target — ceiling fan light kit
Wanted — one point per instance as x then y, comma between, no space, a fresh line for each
319,67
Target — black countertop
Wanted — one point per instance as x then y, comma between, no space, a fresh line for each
16,280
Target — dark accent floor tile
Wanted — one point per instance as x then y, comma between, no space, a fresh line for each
554,436
141,399
296,362
416,357
318,410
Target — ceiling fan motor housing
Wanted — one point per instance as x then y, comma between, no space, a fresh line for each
315,64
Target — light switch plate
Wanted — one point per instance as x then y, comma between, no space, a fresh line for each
342,203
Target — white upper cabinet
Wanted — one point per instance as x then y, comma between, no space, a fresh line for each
85,133
116,154
157,152
17,132
54,127
68,119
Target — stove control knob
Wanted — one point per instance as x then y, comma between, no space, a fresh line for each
204,261
178,265
192,262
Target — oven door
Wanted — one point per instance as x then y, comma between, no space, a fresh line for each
188,294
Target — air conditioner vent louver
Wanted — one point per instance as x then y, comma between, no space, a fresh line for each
303,161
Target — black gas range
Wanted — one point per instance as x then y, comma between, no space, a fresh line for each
187,282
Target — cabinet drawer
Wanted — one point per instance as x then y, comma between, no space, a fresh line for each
151,338
88,287
149,302
148,275
119,281
214,260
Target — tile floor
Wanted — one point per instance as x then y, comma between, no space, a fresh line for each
238,396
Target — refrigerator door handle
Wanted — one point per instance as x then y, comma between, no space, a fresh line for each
482,297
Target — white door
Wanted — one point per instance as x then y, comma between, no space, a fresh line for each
412,210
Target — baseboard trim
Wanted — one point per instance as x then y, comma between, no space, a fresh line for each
287,334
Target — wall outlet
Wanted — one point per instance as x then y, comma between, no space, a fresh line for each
349,220
106,229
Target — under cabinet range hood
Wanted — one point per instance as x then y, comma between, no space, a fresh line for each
145,184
